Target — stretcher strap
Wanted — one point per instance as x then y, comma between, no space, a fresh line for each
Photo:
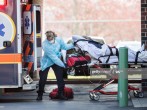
110,48
108,59
99,60
136,58
111,53
117,53
102,57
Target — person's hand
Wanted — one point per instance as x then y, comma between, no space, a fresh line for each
65,65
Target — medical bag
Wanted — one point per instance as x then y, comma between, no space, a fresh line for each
68,92
77,60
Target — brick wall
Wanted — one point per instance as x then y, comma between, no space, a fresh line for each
144,21
144,36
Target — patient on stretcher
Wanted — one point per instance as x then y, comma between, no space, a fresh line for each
100,53
103,53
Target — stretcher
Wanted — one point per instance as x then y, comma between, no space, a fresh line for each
75,61
96,60
95,93
79,61
100,54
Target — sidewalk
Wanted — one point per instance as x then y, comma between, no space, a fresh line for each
81,101
139,102
84,89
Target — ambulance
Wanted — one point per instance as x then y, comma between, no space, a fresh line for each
20,44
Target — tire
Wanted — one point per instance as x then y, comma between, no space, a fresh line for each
135,94
71,72
140,94
96,96
91,96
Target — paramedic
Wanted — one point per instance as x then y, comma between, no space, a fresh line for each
52,47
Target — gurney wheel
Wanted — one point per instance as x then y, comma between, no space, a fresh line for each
96,96
91,95
138,94
141,94
71,71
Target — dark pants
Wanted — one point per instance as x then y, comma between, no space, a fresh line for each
59,76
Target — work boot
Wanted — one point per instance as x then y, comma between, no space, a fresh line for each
61,96
39,97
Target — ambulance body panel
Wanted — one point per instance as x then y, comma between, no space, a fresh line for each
20,41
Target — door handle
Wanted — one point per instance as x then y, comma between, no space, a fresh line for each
7,43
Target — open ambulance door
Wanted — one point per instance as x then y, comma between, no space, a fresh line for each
32,51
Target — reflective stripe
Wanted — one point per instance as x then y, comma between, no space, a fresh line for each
10,58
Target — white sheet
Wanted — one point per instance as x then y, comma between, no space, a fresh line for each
104,50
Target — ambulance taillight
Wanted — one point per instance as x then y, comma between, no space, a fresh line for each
3,2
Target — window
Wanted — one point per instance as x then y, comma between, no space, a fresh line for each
38,22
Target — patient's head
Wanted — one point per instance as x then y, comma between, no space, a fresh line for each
86,37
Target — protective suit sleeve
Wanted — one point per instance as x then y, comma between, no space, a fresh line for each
65,46
51,54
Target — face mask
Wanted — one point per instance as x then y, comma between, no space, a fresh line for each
52,41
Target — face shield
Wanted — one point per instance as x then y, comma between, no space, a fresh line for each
50,37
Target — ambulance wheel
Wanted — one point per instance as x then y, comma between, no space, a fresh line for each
96,96
91,95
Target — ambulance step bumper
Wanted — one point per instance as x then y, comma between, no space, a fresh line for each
31,86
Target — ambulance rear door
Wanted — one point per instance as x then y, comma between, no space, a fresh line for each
10,44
